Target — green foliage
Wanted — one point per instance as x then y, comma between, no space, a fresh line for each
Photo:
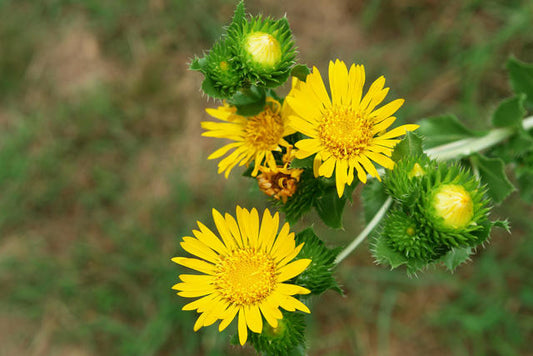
249,101
300,71
492,173
456,257
410,146
510,113
521,77
286,339
440,130
318,277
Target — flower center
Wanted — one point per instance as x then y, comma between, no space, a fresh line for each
454,204
345,132
263,48
264,130
245,277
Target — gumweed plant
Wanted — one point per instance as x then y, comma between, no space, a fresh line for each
428,187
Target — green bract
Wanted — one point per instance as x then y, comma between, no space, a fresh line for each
318,277
287,339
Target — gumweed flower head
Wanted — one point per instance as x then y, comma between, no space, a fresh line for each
242,272
345,132
255,138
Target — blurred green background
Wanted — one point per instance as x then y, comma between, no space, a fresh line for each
102,169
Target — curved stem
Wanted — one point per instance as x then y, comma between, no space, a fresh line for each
367,230
448,151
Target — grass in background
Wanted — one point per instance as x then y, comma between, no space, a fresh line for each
102,168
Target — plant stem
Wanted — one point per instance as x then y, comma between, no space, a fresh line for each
367,230
448,151
468,146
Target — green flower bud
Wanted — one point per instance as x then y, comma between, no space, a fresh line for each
223,76
411,237
285,339
403,182
265,48
454,205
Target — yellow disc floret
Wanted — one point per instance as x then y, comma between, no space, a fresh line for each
345,132
246,276
454,205
263,48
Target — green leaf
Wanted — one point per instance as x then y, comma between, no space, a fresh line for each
303,163
456,257
440,130
330,207
524,177
249,101
300,71
521,77
385,255
410,146
208,87
517,146
373,196
492,173
318,277
510,112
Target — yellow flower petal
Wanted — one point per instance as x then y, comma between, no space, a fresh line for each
253,318
292,269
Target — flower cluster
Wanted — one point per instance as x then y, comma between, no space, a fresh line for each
309,150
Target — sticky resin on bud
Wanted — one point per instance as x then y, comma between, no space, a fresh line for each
263,48
454,205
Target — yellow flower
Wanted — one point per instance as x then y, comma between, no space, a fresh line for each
254,137
243,273
345,131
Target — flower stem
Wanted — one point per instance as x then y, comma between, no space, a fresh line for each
367,230
448,151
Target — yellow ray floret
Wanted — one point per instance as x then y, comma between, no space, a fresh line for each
254,138
241,272
345,130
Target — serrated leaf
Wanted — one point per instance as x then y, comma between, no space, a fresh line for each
250,101
492,173
521,77
456,257
510,112
385,255
208,87
300,71
410,146
373,196
440,130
